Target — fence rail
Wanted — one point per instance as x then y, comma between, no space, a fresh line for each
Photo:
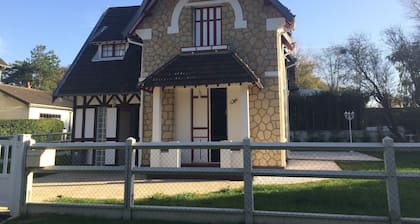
248,214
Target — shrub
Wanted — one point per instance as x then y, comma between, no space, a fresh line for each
13,127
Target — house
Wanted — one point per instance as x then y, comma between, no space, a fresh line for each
185,70
3,65
23,103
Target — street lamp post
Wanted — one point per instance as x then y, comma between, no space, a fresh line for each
349,116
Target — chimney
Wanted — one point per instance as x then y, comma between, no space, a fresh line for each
28,84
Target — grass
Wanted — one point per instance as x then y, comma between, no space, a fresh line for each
406,162
337,196
53,219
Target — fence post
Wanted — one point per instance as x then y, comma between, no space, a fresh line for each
391,181
248,191
129,178
22,180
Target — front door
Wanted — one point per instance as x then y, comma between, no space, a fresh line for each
128,126
209,123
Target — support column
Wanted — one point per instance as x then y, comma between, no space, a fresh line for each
161,158
155,156
245,111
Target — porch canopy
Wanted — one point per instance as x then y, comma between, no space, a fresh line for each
202,68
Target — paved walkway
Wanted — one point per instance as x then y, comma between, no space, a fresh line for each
111,185
330,156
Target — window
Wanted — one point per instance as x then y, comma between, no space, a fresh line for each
113,50
208,26
50,116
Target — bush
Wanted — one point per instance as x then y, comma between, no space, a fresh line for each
13,127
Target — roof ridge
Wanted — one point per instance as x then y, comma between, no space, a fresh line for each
25,88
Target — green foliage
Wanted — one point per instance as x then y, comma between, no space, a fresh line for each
325,110
305,78
13,127
42,70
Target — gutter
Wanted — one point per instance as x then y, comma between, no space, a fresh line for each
141,109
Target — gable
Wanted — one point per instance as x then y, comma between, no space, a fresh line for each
147,6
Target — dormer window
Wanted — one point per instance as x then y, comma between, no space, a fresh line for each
208,26
113,50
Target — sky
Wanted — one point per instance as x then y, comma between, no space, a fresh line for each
64,25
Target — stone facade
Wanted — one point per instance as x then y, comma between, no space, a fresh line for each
254,44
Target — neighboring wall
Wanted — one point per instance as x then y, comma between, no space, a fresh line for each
65,114
10,108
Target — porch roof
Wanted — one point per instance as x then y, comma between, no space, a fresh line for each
202,68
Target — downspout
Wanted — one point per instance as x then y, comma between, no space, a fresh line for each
141,116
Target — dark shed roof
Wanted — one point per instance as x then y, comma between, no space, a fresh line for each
3,63
33,96
86,77
205,68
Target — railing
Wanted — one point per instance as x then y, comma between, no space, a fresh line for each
248,214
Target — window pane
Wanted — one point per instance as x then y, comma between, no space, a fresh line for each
119,50
205,33
211,33
219,32
205,14
211,13
197,14
218,13
197,34
107,50
9,160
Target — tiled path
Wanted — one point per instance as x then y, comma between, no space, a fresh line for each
105,186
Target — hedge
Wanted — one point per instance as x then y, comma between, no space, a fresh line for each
13,127
325,111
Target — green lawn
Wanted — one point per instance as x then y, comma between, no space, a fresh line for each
54,219
339,196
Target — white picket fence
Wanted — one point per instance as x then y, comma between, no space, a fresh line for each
248,214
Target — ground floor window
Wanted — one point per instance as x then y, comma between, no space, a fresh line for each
50,116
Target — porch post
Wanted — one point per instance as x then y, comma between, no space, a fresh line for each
245,111
156,126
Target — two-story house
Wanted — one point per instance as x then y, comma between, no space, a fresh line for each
185,70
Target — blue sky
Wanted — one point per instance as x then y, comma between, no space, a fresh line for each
63,26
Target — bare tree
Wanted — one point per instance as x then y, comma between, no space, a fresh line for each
405,54
372,74
331,67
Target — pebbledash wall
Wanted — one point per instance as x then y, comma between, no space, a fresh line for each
257,44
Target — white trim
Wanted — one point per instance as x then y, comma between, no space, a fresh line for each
271,74
98,55
240,22
144,34
273,24
157,115
207,48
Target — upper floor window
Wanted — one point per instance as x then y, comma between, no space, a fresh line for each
113,50
208,26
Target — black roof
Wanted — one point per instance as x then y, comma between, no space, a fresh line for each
88,77
205,68
113,24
